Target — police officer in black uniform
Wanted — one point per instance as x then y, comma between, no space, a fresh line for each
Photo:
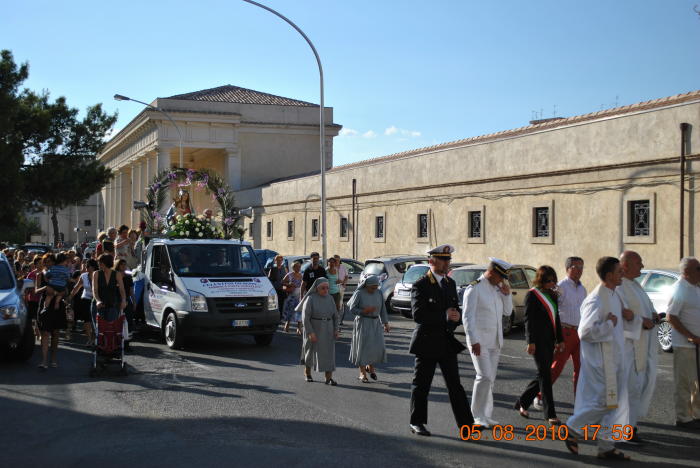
435,309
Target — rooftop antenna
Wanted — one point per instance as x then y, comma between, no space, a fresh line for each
616,99
554,111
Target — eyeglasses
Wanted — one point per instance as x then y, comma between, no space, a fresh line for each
549,280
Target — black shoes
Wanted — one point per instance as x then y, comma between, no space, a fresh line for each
419,429
331,382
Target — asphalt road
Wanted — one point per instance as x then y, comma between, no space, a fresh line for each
231,403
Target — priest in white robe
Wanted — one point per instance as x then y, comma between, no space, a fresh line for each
641,344
602,388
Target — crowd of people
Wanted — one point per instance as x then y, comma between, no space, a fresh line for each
609,334
72,286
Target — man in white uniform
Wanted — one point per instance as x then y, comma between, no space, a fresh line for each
684,314
486,301
641,345
602,387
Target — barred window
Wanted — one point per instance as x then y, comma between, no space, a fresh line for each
422,225
639,218
475,224
379,227
343,227
87,222
290,228
314,227
541,225
269,229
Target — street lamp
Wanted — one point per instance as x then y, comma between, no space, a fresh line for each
322,135
119,97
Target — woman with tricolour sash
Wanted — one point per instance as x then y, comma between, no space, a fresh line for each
544,337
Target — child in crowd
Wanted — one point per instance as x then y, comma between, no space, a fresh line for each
57,277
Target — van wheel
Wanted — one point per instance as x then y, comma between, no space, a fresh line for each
263,340
389,309
508,323
25,348
171,332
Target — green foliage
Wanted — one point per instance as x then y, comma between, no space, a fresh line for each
21,231
47,153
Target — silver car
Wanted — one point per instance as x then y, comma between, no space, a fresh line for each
658,284
390,270
353,267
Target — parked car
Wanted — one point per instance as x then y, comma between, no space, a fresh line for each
658,284
521,279
91,248
354,268
265,258
390,270
16,334
40,248
401,299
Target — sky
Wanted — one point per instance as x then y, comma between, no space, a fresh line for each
399,74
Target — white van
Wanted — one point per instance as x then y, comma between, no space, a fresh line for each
207,288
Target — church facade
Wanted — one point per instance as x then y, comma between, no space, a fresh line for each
248,136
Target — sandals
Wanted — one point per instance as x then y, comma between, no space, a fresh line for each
42,367
54,365
523,412
554,422
572,443
331,382
371,374
613,454
363,379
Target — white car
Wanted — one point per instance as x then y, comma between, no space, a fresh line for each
658,284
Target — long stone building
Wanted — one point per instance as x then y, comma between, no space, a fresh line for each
587,185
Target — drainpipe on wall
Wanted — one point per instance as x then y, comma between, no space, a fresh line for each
352,218
685,128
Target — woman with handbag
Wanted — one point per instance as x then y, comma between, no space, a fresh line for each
276,276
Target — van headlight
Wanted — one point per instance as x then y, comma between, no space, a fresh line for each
8,312
199,302
272,300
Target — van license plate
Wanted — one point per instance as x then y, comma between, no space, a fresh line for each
242,323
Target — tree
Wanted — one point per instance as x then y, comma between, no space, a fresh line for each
48,153
24,126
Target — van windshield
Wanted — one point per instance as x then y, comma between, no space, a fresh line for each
214,260
464,277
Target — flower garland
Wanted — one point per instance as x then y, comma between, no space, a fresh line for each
213,183
190,226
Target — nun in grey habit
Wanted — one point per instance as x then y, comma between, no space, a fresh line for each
319,314
371,321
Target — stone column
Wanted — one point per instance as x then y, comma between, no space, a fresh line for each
139,184
133,195
162,158
108,201
118,195
232,167
126,196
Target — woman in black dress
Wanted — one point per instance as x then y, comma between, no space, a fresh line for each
544,336
50,320
109,298
83,303
128,282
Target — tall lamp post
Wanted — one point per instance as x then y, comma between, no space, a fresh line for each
322,135
119,97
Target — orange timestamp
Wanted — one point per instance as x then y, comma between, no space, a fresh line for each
540,432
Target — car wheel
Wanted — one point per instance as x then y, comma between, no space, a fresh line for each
263,340
25,348
172,333
508,323
664,335
389,309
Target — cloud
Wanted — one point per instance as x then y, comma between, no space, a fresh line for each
348,132
369,134
393,130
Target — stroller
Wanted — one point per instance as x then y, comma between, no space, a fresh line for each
109,345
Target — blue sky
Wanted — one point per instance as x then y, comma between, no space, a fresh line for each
399,74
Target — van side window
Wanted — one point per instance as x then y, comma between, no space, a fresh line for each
160,267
